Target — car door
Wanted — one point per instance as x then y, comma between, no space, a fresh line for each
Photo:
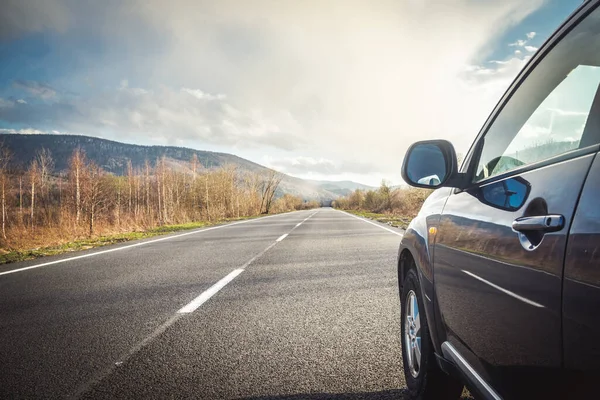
500,246
581,292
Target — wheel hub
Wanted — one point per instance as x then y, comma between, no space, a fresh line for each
412,333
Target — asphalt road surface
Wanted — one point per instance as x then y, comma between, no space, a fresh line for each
301,305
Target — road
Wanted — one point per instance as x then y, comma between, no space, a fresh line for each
304,305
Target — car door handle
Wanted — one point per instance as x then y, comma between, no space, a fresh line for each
544,223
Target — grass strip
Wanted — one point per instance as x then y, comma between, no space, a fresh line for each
89,243
397,221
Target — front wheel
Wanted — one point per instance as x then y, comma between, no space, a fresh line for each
425,380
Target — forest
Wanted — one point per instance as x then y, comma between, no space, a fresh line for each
43,206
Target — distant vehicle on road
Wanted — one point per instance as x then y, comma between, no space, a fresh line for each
499,274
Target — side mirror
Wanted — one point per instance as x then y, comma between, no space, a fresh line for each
509,194
431,164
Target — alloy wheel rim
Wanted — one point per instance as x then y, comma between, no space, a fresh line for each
412,333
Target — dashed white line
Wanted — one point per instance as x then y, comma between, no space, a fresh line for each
210,292
508,292
309,217
187,309
373,223
214,289
297,225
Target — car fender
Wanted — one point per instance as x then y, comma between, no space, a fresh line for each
418,243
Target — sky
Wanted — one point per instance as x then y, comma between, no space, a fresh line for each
329,89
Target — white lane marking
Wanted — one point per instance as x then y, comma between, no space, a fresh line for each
310,216
210,292
372,223
188,308
508,292
297,225
134,245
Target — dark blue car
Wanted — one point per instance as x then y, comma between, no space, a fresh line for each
499,274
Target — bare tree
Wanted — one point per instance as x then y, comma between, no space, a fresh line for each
95,201
207,196
147,186
76,166
119,186
130,185
45,167
270,183
162,196
21,199
4,160
94,194
33,176
194,167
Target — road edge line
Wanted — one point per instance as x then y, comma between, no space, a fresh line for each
129,246
372,223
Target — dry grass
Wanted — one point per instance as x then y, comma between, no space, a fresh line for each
390,219
48,241
86,207
394,207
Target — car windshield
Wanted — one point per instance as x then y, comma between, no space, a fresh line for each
555,109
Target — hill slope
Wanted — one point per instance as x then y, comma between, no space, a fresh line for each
113,157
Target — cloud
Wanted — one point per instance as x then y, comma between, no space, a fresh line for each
38,89
21,101
499,74
168,115
523,43
302,165
518,43
26,131
351,81
199,94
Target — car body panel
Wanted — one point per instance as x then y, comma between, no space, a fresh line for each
501,302
416,242
581,293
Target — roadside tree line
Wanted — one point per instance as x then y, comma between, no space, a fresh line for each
41,206
404,202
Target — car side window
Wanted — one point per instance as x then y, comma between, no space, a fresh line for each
555,109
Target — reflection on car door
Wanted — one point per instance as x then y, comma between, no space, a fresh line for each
500,247
581,292
501,303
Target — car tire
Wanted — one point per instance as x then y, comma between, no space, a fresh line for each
424,379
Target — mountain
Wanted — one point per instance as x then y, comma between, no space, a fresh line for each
113,157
